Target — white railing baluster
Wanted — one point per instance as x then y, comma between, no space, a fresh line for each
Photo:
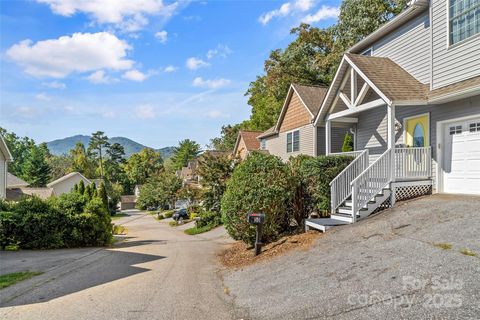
340,188
371,181
413,163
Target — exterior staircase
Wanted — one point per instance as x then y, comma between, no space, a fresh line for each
344,214
357,191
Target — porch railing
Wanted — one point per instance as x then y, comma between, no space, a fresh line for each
413,163
340,188
349,153
371,182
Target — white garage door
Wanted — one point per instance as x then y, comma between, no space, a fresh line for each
461,158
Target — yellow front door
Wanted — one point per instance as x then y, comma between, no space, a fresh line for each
417,131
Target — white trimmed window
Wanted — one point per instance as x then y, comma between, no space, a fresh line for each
293,141
464,19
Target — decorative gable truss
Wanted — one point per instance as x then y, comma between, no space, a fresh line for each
356,93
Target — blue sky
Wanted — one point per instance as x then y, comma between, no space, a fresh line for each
150,70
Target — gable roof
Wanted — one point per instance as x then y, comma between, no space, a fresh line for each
16,194
66,177
390,81
4,149
310,96
15,182
250,140
267,133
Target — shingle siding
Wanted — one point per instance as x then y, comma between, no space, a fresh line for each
409,47
455,63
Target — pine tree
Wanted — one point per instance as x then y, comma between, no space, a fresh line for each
81,187
75,188
347,143
95,193
36,170
88,192
102,194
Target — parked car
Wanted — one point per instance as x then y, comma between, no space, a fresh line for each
152,208
181,214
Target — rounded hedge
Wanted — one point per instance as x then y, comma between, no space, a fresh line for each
261,183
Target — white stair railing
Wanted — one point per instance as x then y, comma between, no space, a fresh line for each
371,182
340,188
413,163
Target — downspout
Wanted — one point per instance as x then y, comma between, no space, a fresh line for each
431,43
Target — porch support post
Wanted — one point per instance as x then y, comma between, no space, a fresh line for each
391,146
328,135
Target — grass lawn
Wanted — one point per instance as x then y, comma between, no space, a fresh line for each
119,215
195,230
12,278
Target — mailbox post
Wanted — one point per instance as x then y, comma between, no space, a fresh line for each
257,219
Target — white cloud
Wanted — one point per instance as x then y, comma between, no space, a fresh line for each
221,50
286,9
325,12
109,114
135,75
195,63
81,52
126,15
162,36
145,112
170,69
211,84
215,114
100,77
42,96
54,85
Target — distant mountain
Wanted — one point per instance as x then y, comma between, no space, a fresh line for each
63,146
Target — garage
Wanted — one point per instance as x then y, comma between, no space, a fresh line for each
461,157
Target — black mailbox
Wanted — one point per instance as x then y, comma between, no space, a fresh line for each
256,218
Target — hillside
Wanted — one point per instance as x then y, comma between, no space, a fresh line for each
63,146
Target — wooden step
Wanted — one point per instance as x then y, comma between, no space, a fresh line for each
323,224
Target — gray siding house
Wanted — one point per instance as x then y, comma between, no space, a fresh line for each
294,132
5,157
411,93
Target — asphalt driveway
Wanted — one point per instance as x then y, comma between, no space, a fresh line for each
395,265
157,273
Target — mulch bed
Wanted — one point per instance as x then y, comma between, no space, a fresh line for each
238,255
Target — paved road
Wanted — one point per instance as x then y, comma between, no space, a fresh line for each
157,273
384,267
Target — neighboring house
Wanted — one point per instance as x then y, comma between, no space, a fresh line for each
5,157
16,194
66,183
246,143
18,189
411,91
15,182
128,202
294,132
188,174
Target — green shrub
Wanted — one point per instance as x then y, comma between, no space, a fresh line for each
261,183
302,203
209,218
198,230
70,203
194,208
317,173
36,224
347,143
168,214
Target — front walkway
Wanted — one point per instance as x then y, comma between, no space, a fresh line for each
395,265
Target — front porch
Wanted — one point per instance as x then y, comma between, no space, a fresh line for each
389,157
